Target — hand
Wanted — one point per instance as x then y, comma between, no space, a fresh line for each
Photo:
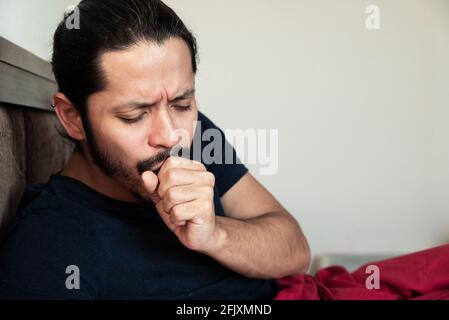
183,193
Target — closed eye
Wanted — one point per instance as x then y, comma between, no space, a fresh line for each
133,120
183,108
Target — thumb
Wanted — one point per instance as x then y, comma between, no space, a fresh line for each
151,182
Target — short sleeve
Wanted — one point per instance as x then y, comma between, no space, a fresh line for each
226,166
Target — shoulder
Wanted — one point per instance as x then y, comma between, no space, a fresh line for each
205,120
219,156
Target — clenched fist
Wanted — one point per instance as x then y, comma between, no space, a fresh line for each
183,192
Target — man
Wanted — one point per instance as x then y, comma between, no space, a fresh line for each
124,219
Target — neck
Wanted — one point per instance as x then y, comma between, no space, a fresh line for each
83,169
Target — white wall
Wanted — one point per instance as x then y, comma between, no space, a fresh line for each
31,23
362,115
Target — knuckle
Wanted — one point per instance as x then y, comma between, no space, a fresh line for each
176,212
210,178
170,195
211,208
166,205
160,192
170,162
208,192
170,174
173,220
199,164
207,207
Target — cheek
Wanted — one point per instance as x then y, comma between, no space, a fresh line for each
135,149
127,142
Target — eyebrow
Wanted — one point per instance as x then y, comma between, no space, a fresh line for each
143,105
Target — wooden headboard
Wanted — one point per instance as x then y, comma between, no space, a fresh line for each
31,148
25,79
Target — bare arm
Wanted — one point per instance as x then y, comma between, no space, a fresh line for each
258,237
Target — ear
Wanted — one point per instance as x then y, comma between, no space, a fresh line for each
69,116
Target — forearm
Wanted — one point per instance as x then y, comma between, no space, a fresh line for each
268,247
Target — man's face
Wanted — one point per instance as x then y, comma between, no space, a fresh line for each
149,97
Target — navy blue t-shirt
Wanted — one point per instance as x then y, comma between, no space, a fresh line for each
122,250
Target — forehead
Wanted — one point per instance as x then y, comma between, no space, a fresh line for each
147,68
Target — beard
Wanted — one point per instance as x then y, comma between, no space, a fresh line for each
114,166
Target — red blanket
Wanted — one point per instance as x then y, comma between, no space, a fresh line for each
422,275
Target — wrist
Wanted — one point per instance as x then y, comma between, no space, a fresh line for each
219,239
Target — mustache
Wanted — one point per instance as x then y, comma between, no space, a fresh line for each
148,165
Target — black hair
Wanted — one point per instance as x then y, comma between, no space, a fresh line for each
108,25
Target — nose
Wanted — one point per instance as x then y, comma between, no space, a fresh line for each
161,132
